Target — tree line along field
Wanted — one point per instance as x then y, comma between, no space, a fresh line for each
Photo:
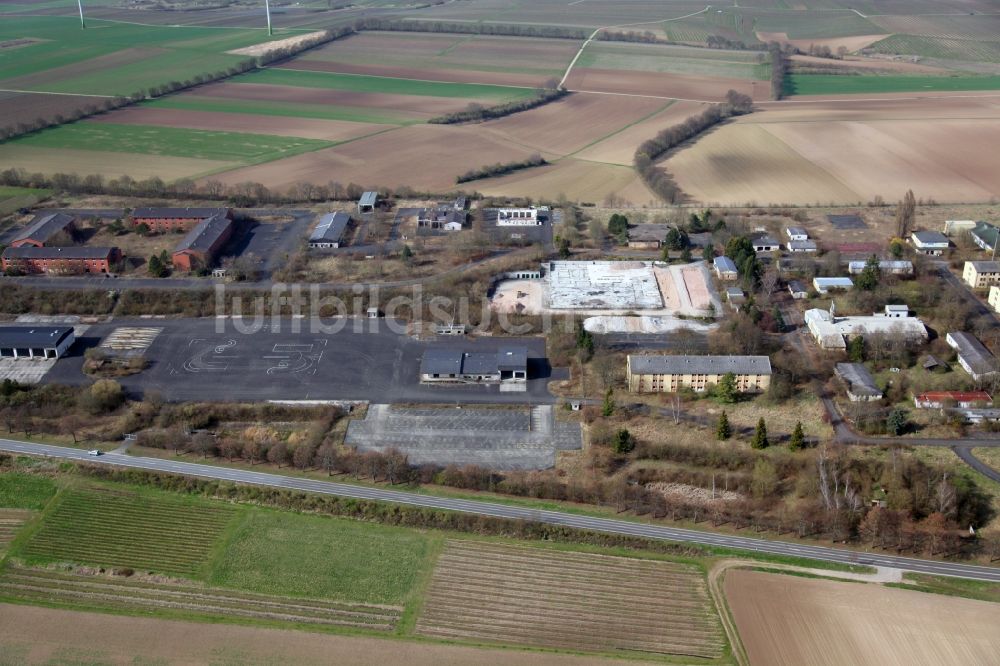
117,548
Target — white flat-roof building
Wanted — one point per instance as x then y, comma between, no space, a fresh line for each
932,243
994,298
890,266
824,285
832,332
518,217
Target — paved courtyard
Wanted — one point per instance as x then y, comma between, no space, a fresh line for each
500,438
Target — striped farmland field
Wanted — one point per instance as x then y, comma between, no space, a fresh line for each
125,529
580,601
118,593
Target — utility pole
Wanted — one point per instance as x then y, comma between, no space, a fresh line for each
79,3
267,8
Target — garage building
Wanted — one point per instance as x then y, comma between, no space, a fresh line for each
329,232
35,341
441,365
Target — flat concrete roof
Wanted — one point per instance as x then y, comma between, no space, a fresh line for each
611,285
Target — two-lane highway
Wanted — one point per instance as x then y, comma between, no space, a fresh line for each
607,525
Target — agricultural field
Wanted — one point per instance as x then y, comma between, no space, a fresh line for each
944,48
13,198
846,153
108,526
442,57
530,596
791,621
706,63
847,84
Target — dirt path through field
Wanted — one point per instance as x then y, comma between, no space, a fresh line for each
30,635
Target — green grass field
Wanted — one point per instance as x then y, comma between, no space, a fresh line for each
822,84
159,54
281,109
116,527
378,84
172,141
24,491
315,556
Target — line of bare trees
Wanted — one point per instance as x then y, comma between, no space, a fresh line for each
659,180
779,67
501,168
477,112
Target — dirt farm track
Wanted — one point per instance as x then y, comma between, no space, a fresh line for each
786,621
31,635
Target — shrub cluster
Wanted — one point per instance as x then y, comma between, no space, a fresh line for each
657,179
499,169
478,112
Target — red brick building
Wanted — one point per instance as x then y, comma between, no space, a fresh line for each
160,220
47,229
60,260
201,245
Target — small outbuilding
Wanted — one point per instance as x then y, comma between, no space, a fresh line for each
725,268
933,243
368,202
797,290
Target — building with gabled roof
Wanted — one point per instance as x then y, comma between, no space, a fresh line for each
45,229
367,202
940,399
985,236
932,243
981,274
202,244
725,268
861,386
329,231
35,341
889,266
669,374
72,260
973,355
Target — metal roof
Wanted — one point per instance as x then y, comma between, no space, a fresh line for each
858,378
178,213
479,363
975,354
725,264
441,362
205,234
368,199
512,358
986,233
797,287
44,227
33,336
331,228
765,241
801,245
796,231
699,365
71,252
883,264
930,238
986,266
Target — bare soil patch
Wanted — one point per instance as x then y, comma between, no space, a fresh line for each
44,635
869,64
309,128
847,153
414,105
288,42
422,156
579,180
620,148
676,86
572,122
26,107
786,620
425,74
851,43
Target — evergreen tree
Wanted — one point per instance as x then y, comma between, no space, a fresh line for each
156,267
798,437
564,248
608,408
686,255
623,442
708,253
896,423
868,280
856,349
723,430
760,440
726,390
406,254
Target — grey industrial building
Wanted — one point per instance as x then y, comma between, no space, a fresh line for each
861,386
35,341
448,364
329,232
973,355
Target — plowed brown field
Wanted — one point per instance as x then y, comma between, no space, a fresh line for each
31,635
422,156
427,74
26,107
531,596
331,130
620,148
784,620
573,122
654,84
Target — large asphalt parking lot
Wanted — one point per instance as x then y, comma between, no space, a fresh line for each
209,359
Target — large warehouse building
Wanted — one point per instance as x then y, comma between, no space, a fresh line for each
456,365
35,341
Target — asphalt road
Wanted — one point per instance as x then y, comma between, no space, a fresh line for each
607,525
